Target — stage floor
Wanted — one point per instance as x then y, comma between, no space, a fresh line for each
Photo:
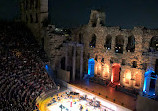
107,93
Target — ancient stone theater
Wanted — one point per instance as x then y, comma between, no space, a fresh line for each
125,57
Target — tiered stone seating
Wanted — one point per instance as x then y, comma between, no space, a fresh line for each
22,74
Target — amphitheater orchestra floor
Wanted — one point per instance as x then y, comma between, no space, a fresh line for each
108,93
74,104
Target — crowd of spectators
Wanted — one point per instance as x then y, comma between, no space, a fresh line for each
22,73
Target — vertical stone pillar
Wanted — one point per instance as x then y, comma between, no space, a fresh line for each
81,63
125,45
66,58
74,63
113,44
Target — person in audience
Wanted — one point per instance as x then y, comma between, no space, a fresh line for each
22,74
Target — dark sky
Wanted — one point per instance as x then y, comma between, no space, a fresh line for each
72,13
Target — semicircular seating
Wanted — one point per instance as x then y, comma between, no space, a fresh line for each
22,74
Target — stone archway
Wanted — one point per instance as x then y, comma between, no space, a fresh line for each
91,64
127,76
116,69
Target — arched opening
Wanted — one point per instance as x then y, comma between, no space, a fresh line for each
62,62
153,78
94,20
80,38
131,44
93,41
137,79
154,44
107,44
105,71
134,64
119,42
102,23
99,67
91,64
149,82
127,76
116,69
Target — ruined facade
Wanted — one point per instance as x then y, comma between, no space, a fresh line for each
126,57
35,14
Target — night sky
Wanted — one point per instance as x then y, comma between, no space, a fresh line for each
73,13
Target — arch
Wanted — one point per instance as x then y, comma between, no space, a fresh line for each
137,79
153,44
62,62
99,69
80,38
94,20
131,44
119,43
106,71
91,64
116,69
149,82
108,41
127,76
93,41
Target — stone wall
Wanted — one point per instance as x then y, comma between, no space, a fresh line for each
140,55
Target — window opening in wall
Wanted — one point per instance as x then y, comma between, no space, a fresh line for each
96,57
153,44
102,23
134,64
62,62
94,20
119,42
123,62
80,38
93,41
107,44
131,44
102,60
31,18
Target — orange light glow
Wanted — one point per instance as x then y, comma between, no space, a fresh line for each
127,75
105,70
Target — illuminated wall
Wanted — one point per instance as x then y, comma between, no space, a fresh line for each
127,76
105,72
91,64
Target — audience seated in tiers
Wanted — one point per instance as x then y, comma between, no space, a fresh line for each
22,74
